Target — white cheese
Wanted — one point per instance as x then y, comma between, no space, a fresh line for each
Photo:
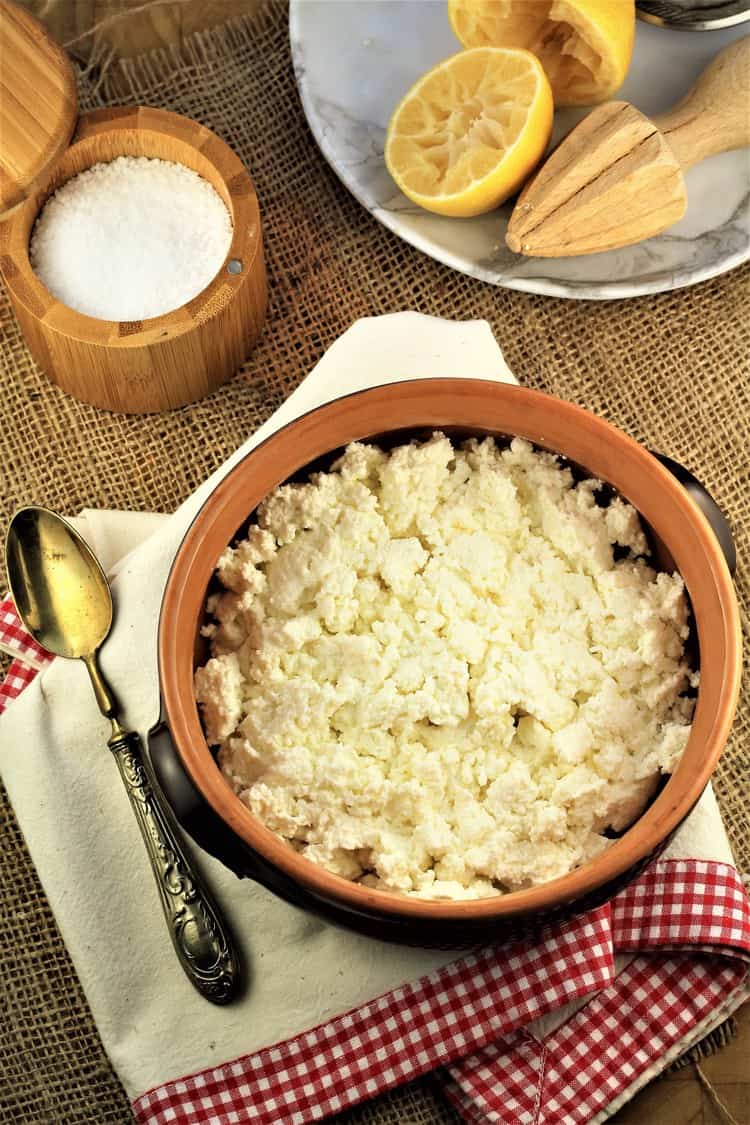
431,673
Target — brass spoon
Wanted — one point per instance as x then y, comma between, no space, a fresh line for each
64,600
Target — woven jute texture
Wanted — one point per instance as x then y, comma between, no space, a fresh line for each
671,370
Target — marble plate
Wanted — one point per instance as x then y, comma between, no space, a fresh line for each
354,59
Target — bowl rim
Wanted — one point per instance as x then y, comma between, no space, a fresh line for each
241,202
642,839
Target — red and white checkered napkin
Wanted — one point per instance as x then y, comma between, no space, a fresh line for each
29,658
643,977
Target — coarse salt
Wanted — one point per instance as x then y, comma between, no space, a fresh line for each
131,239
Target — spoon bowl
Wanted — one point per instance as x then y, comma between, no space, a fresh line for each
61,593
60,590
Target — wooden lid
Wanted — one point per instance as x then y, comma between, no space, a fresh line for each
38,104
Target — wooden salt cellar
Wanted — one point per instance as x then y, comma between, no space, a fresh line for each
135,367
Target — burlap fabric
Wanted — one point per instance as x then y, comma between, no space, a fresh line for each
672,370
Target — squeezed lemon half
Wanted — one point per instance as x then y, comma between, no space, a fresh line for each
584,45
470,131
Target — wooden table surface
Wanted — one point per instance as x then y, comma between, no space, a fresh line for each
718,1091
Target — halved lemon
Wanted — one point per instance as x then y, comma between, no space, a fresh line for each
470,131
584,45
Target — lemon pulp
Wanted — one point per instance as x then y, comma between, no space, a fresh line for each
471,130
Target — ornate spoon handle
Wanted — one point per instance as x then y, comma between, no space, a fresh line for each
199,934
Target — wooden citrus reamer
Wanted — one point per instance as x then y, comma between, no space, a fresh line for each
617,177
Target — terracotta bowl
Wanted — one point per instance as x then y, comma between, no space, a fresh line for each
682,537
